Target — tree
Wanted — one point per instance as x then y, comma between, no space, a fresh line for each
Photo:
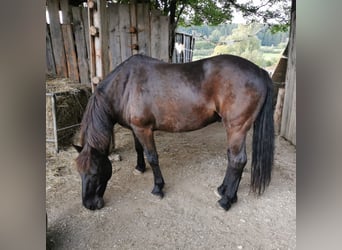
242,42
214,12
215,36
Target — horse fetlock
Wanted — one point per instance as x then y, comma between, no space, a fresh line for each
221,190
158,191
140,168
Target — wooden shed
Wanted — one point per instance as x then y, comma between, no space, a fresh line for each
288,122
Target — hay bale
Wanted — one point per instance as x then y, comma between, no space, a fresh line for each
70,102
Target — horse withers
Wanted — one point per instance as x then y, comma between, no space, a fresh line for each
144,95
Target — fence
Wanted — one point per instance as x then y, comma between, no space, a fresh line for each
132,28
184,46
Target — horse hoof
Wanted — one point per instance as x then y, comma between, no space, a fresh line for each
235,198
223,203
137,172
157,192
217,194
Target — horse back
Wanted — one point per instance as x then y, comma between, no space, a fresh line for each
185,97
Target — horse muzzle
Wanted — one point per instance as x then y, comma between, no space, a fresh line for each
92,204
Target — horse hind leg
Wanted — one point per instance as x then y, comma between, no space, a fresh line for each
141,166
237,159
146,139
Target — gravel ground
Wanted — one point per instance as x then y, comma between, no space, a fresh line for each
193,165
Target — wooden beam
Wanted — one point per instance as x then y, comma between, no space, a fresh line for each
114,36
57,38
125,36
50,61
133,29
81,46
69,47
99,21
143,26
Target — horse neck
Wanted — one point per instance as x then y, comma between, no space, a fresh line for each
97,124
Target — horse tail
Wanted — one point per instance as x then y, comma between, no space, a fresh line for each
263,143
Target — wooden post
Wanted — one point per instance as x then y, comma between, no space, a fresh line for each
81,46
288,123
133,29
278,110
98,41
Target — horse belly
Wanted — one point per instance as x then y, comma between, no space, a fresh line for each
182,118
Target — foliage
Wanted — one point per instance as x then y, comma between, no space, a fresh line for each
215,12
269,45
244,42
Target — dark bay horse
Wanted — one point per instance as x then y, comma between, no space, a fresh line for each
145,94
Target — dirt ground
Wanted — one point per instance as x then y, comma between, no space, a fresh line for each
193,165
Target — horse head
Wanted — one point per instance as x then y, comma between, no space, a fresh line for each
95,170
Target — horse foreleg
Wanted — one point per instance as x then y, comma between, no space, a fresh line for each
237,159
145,137
141,166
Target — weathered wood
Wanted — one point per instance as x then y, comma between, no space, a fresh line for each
50,61
68,38
165,38
114,36
192,48
57,38
288,124
84,14
128,32
91,54
70,52
80,41
93,30
91,4
279,75
155,34
279,84
66,11
133,29
143,26
101,41
278,110
125,36
96,80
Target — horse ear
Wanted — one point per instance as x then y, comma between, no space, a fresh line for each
78,148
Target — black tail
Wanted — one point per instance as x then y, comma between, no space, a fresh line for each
263,144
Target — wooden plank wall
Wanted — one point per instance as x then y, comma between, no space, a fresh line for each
57,38
66,51
50,61
132,29
288,124
81,44
159,36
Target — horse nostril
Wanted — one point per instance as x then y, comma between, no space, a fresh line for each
89,205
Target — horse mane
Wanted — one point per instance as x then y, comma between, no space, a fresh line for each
97,123
96,128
